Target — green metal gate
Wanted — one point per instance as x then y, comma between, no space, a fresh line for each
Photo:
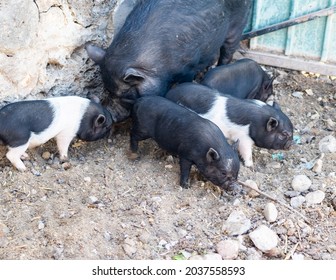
308,46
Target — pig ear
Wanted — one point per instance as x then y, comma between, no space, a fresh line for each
276,106
100,121
133,76
212,155
272,124
93,98
97,54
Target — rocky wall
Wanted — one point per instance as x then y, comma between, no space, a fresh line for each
42,46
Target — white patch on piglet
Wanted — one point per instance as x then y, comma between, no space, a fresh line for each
67,116
232,131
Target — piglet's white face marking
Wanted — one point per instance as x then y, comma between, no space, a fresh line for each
232,131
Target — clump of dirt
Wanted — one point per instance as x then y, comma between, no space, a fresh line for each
105,206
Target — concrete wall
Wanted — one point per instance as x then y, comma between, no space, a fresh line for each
42,46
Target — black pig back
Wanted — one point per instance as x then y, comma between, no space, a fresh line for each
19,119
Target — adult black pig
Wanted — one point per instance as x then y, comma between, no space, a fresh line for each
185,134
243,79
30,123
163,42
249,121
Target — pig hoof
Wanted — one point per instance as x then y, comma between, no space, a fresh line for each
132,156
24,156
21,168
185,186
64,159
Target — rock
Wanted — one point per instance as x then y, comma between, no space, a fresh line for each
253,185
301,183
236,223
87,179
298,94
297,201
328,144
270,212
93,199
317,168
46,155
228,249
129,247
315,197
264,238
41,225
253,254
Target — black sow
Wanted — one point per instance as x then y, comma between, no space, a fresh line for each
183,133
163,42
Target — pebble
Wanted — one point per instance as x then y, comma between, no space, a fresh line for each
87,179
317,168
297,201
309,92
253,185
210,256
315,197
129,247
66,165
93,199
236,223
328,144
46,155
298,94
270,212
228,249
41,225
292,193
264,238
253,254
301,183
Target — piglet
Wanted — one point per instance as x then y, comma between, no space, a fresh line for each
247,120
27,124
185,134
243,79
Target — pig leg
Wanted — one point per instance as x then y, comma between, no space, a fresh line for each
135,138
185,166
63,141
245,150
230,45
14,156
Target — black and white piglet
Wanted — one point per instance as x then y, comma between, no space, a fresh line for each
247,120
183,133
27,124
243,79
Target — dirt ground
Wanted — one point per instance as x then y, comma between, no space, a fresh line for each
104,206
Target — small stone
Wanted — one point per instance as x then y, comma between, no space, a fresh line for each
292,193
317,168
46,155
129,247
264,238
309,92
93,199
168,166
66,165
253,254
270,212
297,201
328,144
107,236
236,223
315,197
298,94
228,249
41,225
253,186
87,179
301,183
